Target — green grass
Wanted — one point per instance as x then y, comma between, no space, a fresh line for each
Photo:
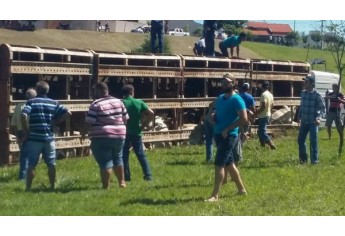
276,183
276,52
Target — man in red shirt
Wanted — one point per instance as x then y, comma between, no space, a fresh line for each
336,99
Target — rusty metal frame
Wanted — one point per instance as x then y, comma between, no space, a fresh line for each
99,65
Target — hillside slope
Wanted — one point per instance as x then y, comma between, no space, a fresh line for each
98,41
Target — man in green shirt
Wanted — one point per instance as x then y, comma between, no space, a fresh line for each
137,110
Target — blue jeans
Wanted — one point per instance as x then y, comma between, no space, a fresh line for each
304,129
33,149
23,160
136,142
262,129
156,32
107,152
209,140
209,43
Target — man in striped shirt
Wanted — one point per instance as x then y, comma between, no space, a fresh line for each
44,114
309,116
107,118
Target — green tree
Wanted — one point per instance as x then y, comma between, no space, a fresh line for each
316,36
197,32
146,46
292,38
234,23
304,38
249,36
186,28
231,26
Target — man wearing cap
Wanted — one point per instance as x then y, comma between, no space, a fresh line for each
230,113
264,115
309,116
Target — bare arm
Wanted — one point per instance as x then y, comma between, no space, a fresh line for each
231,51
149,114
61,118
84,129
238,123
261,108
195,52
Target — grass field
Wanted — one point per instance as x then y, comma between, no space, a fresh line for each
276,183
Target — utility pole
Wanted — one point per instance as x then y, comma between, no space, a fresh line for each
294,25
322,34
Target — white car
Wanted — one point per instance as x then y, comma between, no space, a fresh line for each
178,32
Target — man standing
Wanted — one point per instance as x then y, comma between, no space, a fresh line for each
336,99
231,42
44,114
106,118
17,129
137,111
156,32
250,106
264,115
209,30
309,116
230,113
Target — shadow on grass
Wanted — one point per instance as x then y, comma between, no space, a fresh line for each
8,178
181,163
186,185
160,202
57,190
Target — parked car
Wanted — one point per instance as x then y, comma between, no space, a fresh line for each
178,32
137,30
142,29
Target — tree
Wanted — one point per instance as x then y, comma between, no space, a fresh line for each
197,32
231,26
335,38
186,28
316,36
304,38
292,38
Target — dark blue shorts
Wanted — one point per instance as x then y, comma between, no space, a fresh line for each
225,150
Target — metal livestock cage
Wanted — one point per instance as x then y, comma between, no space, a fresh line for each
172,85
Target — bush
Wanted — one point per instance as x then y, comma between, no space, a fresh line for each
146,46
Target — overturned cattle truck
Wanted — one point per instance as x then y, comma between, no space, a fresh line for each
69,74
178,88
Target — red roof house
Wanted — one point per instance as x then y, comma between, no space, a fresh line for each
263,31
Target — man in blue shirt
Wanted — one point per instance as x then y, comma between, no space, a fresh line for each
231,42
44,114
250,105
309,116
156,32
230,113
